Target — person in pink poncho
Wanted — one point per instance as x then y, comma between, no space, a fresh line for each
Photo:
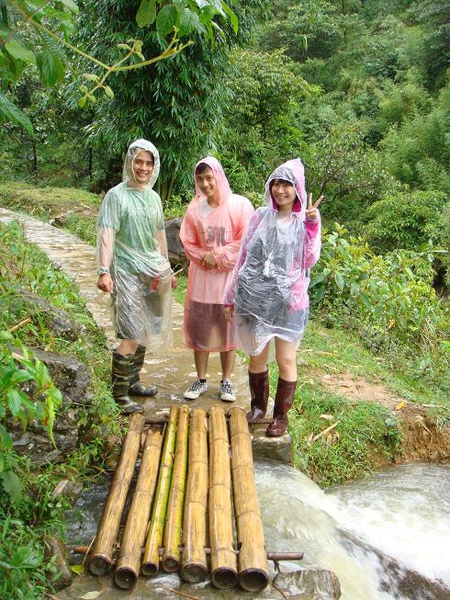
268,295
211,233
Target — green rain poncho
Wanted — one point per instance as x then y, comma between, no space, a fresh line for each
132,244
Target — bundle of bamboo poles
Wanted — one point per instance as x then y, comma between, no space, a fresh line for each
195,484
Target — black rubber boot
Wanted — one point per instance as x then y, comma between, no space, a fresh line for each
121,373
284,399
136,387
259,390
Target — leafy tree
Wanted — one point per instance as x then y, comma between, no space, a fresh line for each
310,29
434,15
417,152
176,103
344,169
32,33
405,220
266,95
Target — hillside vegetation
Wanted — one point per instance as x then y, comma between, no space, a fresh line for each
359,90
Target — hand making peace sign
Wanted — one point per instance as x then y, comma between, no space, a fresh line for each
312,213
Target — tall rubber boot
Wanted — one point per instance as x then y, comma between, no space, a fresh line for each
259,390
121,373
284,399
136,387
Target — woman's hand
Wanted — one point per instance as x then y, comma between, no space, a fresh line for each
312,213
228,312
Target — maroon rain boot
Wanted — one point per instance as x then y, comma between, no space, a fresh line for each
259,390
284,399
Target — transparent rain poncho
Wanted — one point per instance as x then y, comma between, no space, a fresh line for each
219,230
269,289
132,244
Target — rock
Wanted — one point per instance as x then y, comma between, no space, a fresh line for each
55,548
59,321
174,245
308,584
72,379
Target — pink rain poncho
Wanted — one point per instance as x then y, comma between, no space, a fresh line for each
220,230
269,289
132,244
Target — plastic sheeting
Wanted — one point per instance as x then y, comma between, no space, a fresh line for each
219,230
132,244
269,289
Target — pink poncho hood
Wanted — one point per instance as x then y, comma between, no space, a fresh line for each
219,174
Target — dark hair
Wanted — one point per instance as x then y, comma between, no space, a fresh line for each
201,168
278,179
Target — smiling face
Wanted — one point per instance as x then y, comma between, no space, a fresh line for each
206,182
284,194
142,167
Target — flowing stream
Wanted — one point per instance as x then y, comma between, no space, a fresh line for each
385,537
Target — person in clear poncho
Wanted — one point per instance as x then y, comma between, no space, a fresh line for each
268,295
211,233
134,268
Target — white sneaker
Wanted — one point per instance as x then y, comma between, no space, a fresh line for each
226,391
197,388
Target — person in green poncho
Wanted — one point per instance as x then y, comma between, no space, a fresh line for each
133,267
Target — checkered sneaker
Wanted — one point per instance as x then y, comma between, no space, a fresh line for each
226,391
197,388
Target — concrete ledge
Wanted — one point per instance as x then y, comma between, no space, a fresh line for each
280,448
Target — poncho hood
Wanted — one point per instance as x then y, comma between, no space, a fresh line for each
219,174
133,150
294,172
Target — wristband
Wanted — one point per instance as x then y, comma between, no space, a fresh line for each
103,271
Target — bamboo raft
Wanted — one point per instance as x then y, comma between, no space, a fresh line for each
194,506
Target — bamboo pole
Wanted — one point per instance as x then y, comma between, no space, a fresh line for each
129,562
172,533
193,559
253,567
150,559
101,560
223,556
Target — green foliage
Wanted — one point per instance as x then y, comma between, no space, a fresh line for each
33,34
343,168
417,152
39,403
25,569
347,451
311,29
176,103
406,220
433,16
48,202
388,297
265,93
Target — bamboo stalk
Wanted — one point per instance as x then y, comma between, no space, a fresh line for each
150,560
276,556
193,559
101,560
223,557
253,567
172,533
128,564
